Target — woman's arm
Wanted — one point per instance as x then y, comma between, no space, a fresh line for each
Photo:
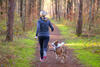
38,26
52,28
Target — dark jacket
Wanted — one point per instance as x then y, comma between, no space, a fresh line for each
43,27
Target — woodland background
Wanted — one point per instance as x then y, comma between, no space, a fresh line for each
18,19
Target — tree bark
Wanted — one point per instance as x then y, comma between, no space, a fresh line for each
10,22
56,12
64,13
91,14
21,7
69,9
59,10
24,15
80,20
53,13
39,7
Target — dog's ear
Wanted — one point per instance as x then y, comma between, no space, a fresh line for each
56,42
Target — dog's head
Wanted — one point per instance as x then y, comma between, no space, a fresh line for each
56,43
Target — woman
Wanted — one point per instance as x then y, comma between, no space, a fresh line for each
42,33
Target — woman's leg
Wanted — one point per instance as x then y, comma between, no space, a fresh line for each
45,45
41,46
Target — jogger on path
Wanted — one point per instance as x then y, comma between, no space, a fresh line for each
43,34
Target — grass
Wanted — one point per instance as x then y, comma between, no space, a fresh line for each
22,49
2,25
20,52
87,50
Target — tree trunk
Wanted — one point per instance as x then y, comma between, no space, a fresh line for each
91,15
6,5
29,8
69,9
21,7
80,20
64,13
98,5
42,5
24,15
53,14
1,2
10,22
56,12
39,7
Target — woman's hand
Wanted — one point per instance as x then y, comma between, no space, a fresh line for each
35,37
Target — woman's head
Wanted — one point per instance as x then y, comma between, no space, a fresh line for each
43,13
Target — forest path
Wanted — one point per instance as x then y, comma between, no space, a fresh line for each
51,61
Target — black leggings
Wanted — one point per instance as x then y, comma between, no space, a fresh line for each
43,41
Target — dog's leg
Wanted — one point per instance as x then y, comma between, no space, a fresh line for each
62,59
56,56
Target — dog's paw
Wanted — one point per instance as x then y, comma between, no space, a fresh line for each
62,61
56,57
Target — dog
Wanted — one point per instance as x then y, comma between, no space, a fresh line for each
59,50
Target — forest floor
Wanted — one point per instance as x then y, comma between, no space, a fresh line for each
19,52
82,51
71,60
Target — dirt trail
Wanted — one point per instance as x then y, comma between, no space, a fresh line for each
71,61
